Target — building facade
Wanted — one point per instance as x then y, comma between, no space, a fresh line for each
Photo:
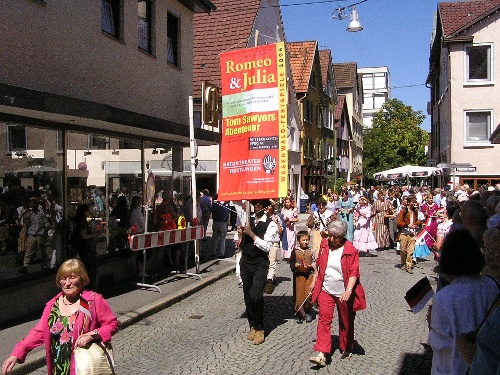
376,91
464,104
306,70
329,130
350,84
93,97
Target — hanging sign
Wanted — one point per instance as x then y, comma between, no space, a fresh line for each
254,148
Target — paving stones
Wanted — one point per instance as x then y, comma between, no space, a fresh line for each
390,339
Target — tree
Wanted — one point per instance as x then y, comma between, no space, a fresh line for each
395,139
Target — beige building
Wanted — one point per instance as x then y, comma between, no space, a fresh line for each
93,96
463,77
350,85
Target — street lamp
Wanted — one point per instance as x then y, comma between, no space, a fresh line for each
340,14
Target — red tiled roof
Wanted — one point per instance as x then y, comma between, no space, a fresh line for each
345,74
325,60
301,62
227,28
339,106
459,15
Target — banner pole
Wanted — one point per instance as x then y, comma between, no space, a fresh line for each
193,153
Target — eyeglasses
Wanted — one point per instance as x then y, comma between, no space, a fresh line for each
71,278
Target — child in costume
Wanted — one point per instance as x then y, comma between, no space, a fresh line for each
302,263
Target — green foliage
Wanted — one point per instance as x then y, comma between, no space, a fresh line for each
395,139
330,184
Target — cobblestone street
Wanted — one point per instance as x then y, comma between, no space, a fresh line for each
205,333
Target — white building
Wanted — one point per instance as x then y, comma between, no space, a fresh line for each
376,91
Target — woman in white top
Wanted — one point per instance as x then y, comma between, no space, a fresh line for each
461,306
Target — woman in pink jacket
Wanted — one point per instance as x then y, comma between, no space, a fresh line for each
73,318
336,282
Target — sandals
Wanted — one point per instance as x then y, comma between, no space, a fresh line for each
319,359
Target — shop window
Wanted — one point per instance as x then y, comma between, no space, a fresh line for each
478,63
96,142
145,20
477,126
173,24
16,138
111,17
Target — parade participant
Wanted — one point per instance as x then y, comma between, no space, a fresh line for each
290,217
258,239
345,213
313,195
317,222
429,208
302,263
364,240
383,209
332,203
409,223
336,282
273,252
392,225
73,318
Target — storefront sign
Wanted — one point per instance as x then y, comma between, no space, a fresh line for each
254,148
469,169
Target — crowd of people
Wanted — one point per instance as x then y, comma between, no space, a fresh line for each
459,228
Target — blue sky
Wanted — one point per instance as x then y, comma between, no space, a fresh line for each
396,34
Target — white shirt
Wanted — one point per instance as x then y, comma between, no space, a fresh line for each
333,283
458,308
266,243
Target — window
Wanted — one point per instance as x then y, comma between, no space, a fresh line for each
16,138
477,126
308,111
173,39
111,17
374,100
319,117
478,63
374,81
96,142
144,27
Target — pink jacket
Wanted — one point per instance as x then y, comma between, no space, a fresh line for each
101,318
349,263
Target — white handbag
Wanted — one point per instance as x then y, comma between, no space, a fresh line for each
95,359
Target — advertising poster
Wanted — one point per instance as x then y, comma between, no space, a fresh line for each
254,148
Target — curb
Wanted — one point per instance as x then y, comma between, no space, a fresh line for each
37,360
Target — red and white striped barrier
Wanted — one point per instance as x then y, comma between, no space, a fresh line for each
164,238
